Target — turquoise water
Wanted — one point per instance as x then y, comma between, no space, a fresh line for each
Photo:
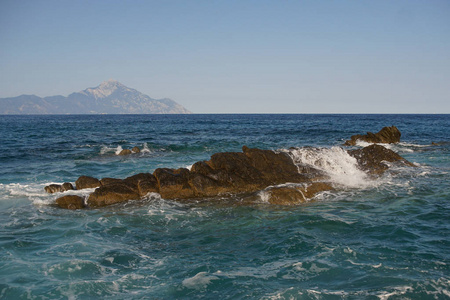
386,238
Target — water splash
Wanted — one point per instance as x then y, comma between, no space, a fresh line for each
335,162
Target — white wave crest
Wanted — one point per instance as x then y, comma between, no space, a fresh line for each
335,162
145,149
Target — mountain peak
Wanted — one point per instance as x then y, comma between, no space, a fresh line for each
109,97
105,89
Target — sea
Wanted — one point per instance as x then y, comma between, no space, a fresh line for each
370,238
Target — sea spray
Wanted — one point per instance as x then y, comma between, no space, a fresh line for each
335,162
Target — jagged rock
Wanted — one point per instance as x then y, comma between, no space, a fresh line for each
387,135
111,194
125,152
55,188
87,182
373,158
70,202
135,149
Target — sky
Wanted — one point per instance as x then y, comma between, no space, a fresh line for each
231,56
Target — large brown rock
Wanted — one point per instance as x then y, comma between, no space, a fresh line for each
70,202
387,135
87,182
111,194
374,159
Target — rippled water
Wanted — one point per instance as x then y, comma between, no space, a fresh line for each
376,239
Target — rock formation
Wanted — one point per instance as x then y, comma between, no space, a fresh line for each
248,173
387,135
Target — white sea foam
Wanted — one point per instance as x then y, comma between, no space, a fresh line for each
199,281
335,162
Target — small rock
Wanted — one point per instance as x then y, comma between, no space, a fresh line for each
87,182
135,149
70,202
125,152
53,188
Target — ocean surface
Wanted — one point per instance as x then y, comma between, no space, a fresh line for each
384,238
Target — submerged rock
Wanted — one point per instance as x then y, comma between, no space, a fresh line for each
293,195
387,135
70,202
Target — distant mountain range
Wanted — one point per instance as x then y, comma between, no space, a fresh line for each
110,97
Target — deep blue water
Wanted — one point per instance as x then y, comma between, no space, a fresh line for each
386,238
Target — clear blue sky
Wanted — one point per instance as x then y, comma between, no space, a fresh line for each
235,56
